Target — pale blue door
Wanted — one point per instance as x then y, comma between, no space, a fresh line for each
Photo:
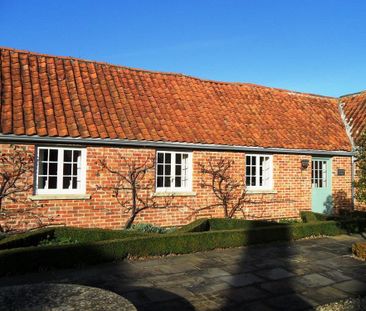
321,182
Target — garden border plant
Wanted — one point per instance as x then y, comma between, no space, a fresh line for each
77,235
359,250
25,259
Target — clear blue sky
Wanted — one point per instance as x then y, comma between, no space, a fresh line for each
316,46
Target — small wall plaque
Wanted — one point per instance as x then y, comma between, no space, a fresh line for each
341,172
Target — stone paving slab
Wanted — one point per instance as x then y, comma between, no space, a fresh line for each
275,274
291,276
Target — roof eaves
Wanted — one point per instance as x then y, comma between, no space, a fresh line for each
163,144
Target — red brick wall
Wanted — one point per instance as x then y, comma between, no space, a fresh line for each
292,192
360,206
342,185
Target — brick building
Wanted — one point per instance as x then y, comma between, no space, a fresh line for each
353,107
292,150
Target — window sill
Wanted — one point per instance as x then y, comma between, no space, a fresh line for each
174,194
259,191
40,197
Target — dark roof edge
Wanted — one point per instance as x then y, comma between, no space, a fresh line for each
161,144
352,94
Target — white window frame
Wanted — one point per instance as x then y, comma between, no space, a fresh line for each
172,188
319,177
60,162
268,186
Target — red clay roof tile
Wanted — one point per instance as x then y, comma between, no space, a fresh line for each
61,96
355,111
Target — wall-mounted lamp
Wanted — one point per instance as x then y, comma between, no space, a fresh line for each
304,164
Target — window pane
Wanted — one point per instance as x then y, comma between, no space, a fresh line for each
74,183
67,169
160,157
43,169
178,181
67,155
42,182
253,171
261,160
160,169
253,181
247,171
178,158
43,155
247,181
247,160
178,170
160,182
167,181
53,155
53,168
168,158
76,155
167,169
52,182
66,182
74,169
254,160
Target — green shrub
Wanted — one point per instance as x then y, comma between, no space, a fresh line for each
62,256
172,230
58,241
85,235
147,228
231,224
289,221
60,235
308,216
358,214
198,225
352,225
30,238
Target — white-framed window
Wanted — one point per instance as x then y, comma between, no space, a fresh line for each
319,174
258,172
60,170
173,171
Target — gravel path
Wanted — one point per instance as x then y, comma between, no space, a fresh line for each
60,297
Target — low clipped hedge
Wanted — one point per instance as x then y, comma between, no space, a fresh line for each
79,235
30,238
85,235
232,224
308,216
19,260
199,225
359,214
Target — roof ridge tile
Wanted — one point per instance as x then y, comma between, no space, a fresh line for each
249,84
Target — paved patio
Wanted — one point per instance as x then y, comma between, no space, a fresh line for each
291,276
